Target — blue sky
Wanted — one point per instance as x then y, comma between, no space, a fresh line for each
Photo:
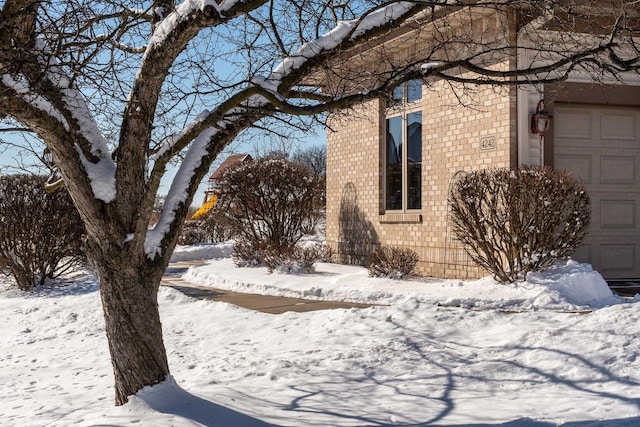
9,161
226,64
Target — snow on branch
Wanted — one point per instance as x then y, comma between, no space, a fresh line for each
182,184
69,107
73,102
102,176
173,139
179,191
267,84
344,31
35,100
116,44
101,173
183,12
139,13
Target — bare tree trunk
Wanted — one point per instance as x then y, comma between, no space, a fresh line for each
51,61
132,320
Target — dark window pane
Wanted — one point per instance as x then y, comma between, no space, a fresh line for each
414,90
414,160
393,187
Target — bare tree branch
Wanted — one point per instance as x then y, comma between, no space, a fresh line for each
119,92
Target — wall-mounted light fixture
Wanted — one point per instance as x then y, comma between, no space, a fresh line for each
541,120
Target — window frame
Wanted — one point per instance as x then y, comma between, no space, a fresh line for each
402,109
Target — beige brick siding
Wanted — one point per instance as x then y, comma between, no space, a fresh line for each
452,135
353,182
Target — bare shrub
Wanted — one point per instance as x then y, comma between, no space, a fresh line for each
249,253
40,233
301,259
516,221
269,201
315,157
327,254
392,262
279,259
193,232
309,226
218,227
308,256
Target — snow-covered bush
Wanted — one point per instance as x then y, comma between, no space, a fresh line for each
298,260
392,262
193,232
40,233
269,202
516,221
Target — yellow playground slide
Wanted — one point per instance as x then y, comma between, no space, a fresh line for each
206,207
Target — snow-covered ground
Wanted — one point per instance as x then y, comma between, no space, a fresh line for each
559,348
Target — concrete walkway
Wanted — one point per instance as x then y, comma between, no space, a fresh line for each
263,303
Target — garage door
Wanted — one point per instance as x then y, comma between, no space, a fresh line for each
601,146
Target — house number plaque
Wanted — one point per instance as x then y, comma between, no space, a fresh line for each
488,143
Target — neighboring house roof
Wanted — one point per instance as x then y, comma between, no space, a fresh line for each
232,160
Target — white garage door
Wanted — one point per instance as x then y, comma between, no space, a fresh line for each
601,146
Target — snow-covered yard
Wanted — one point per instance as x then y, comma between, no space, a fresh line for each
557,349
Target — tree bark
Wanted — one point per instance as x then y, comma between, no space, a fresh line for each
132,320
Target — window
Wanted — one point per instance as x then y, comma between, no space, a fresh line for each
408,92
403,164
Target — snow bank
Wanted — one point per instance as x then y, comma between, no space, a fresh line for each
574,283
410,363
202,251
569,286
183,408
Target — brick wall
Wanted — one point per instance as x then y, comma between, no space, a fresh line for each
353,182
455,125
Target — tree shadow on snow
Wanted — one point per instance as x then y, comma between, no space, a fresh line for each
79,283
169,398
450,368
527,422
